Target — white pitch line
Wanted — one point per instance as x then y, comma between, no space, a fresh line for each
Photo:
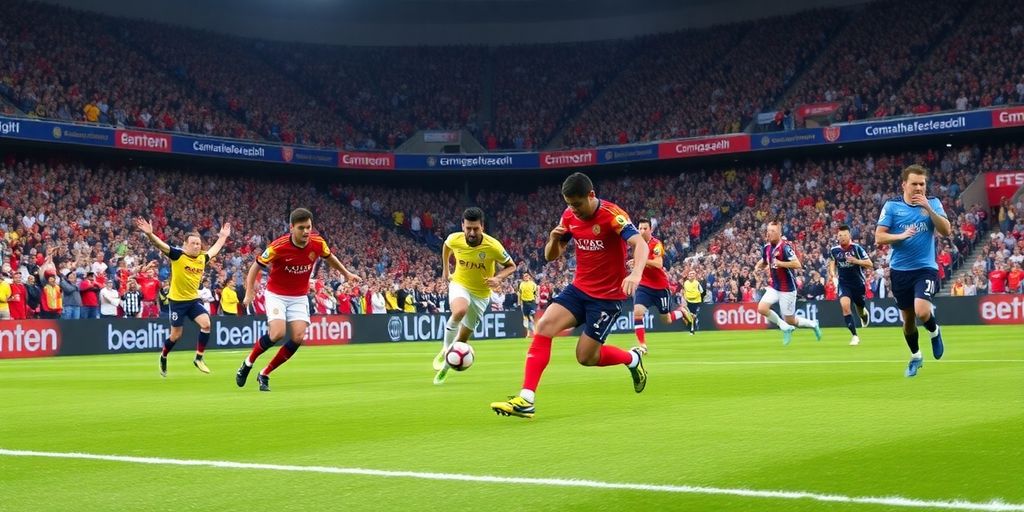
893,501
838,361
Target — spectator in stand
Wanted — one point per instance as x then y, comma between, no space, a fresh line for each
52,303
997,279
89,290
72,299
109,299
131,301
228,298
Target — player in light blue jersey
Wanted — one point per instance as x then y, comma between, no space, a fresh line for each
909,224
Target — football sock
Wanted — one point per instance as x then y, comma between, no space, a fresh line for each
283,354
258,348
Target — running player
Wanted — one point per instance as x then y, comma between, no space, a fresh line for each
781,260
602,232
653,290
476,255
909,224
188,264
847,261
290,259
693,293
528,302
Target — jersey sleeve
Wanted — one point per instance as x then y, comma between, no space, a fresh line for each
174,253
565,224
267,257
862,253
621,224
500,254
886,218
788,252
450,240
659,250
325,250
937,206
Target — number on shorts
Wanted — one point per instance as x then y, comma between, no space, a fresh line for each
929,287
604,318
664,303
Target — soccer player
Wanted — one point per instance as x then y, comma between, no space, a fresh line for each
477,255
694,292
290,259
528,302
653,289
188,264
909,223
602,232
780,259
847,260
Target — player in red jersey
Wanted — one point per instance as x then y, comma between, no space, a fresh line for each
602,232
653,290
290,259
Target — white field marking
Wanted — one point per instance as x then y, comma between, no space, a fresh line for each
892,501
842,361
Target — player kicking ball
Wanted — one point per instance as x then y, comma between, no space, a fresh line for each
476,256
602,232
847,261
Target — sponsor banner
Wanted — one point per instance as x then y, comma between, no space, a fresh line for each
627,153
224,148
704,146
808,137
442,136
575,158
33,129
1007,117
1001,309
431,327
357,160
29,338
306,156
142,141
909,127
468,162
766,117
1002,184
816,110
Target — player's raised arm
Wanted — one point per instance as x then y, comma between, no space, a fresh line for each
640,253
336,264
222,237
935,211
146,227
557,242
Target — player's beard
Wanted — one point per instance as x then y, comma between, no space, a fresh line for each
474,241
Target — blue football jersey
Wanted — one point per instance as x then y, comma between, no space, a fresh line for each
848,271
918,251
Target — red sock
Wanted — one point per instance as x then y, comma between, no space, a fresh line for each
258,348
611,356
676,315
641,333
536,361
283,354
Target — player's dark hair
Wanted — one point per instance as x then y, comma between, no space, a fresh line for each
473,214
643,221
577,185
194,234
775,220
914,169
300,215
844,227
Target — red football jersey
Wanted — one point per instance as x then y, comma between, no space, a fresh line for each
655,277
600,250
291,265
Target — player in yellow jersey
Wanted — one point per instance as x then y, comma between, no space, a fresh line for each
477,256
188,264
528,301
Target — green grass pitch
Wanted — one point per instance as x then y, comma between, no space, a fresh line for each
729,410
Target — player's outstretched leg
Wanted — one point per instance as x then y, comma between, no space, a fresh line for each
637,370
198,362
261,346
283,355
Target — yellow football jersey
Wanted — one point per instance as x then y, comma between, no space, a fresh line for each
528,291
186,274
473,265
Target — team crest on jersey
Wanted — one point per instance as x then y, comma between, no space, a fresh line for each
482,255
287,153
597,229
276,311
832,133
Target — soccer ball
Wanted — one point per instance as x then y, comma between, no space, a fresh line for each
459,356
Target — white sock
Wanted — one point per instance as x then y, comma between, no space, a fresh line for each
636,359
527,395
916,355
933,333
451,330
774,318
803,322
676,315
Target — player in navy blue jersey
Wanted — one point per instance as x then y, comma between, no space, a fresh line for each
782,263
847,261
909,224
